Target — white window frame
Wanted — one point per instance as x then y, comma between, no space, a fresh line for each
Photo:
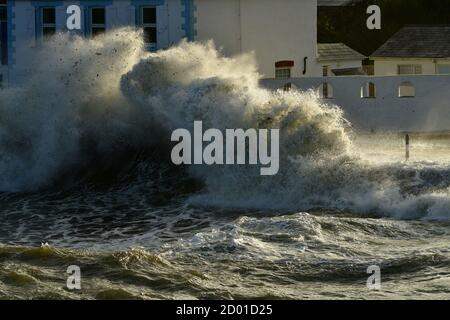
47,25
96,25
286,73
149,45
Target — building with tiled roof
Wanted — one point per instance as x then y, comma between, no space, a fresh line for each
339,59
415,49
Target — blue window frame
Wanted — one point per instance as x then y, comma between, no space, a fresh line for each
45,18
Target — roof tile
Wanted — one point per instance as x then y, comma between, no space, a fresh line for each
417,41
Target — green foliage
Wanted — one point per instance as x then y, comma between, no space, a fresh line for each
348,24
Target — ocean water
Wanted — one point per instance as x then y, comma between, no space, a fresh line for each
86,179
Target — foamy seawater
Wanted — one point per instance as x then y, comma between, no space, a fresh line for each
183,252
86,180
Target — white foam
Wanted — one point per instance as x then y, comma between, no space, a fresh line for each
108,90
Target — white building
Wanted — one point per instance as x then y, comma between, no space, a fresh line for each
282,34
337,59
405,94
415,49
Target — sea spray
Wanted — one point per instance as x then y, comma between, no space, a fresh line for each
87,100
71,95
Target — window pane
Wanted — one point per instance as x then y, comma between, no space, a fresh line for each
444,68
418,69
3,41
150,35
372,90
97,31
282,73
48,16
148,15
98,16
405,69
48,31
3,14
410,69
406,90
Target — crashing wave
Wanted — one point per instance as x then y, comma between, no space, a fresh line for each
91,101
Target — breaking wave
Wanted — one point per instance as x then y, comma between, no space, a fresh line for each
99,103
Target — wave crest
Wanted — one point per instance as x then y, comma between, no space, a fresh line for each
95,100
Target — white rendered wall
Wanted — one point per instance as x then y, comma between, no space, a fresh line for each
220,21
273,30
388,66
429,110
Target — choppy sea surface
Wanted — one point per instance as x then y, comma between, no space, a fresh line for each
130,245
86,180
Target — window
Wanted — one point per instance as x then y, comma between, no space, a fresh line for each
443,69
325,71
98,21
406,90
326,91
148,18
368,90
283,69
409,69
3,34
48,22
287,87
2,12
282,73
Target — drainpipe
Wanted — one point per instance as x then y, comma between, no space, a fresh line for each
304,65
